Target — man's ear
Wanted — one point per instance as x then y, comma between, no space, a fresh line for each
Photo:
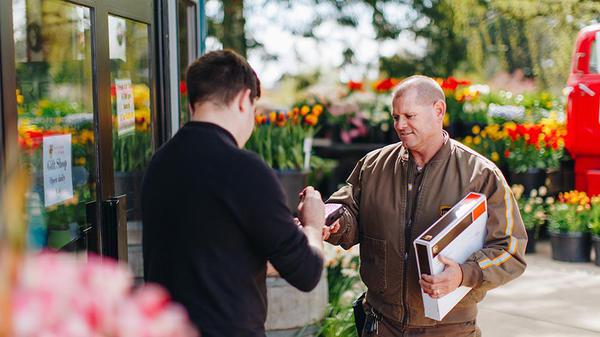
241,99
440,109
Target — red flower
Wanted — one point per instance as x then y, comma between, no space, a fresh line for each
355,86
452,83
512,133
386,84
113,90
506,153
182,87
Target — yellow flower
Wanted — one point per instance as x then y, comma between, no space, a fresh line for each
141,95
475,129
477,140
495,156
43,103
468,140
446,120
483,134
304,110
20,98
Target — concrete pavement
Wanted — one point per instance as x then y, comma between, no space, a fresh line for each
551,299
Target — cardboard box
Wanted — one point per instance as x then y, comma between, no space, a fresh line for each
456,235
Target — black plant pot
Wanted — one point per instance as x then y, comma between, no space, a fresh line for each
531,240
292,182
567,169
530,179
554,181
596,247
570,247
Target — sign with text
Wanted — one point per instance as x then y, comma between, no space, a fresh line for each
125,111
56,158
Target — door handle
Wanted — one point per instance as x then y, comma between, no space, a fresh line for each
586,89
114,231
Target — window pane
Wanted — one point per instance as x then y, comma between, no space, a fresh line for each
55,117
131,109
186,23
594,59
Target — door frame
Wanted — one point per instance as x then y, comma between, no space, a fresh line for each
137,10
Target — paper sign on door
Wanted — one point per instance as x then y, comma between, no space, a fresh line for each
56,158
125,108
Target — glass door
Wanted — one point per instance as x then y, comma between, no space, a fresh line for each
55,118
132,124
84,112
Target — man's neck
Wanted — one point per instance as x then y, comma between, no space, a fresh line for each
422,157
217,118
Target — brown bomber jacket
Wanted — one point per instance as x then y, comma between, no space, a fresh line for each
375,197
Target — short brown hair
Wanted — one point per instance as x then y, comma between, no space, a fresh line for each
219,76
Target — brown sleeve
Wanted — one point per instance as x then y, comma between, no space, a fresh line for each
349,196
502,257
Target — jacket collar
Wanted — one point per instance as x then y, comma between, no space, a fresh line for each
442,154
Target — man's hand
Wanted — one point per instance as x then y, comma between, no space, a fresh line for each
443,283
328,230
311,209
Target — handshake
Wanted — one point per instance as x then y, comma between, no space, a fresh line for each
313,213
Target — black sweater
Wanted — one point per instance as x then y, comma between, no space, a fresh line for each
213,215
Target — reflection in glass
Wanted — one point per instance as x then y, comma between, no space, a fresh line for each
186,22
131,109
55,118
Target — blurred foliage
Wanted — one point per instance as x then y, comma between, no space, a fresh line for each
479,37
536,37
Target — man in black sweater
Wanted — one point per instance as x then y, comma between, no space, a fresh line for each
214,214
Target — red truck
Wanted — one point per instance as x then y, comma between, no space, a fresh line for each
583,110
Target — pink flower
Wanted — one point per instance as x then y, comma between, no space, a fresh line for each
61,295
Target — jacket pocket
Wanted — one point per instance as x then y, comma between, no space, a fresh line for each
372,263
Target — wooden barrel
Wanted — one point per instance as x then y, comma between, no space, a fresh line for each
293,312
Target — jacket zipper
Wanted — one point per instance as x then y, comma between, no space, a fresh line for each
407,237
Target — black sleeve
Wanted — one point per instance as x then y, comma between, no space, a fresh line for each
260,203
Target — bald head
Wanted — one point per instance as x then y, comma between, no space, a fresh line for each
422,89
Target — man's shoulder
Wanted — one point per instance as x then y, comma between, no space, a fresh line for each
383,153
464,152
474,161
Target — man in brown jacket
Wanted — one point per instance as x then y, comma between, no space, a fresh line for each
396,192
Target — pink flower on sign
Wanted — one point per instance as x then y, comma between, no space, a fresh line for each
63,295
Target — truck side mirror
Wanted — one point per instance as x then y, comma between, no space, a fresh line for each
579,62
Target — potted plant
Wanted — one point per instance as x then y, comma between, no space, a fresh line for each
489,142
525,154
568,225
594,219
284,140
533,213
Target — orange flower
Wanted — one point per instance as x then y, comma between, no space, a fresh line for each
317,110
311,120
272,116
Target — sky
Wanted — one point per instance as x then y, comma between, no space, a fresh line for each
265,21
